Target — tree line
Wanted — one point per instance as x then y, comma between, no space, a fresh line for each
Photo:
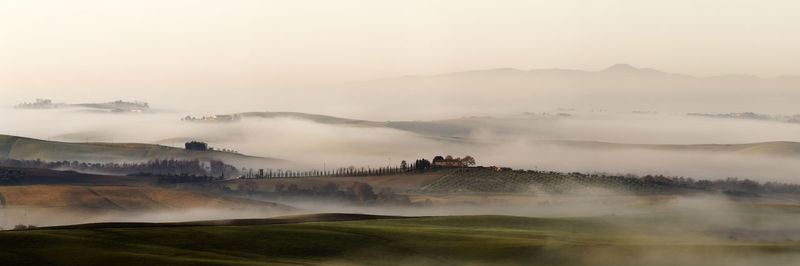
506,180
10,176
404,167
341,171
356,192
165,167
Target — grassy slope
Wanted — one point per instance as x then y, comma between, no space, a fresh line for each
30,149
453,240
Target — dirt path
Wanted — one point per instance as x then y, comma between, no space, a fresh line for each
104,198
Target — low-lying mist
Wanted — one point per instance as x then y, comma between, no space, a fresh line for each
31,215
709,215
518,141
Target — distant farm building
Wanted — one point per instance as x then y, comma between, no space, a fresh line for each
440,161
214,118
226,118
196,146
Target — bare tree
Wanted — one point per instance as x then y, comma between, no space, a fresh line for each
468,161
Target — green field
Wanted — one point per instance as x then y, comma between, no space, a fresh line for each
452,240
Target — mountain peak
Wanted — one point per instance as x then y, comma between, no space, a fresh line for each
629,69
621,67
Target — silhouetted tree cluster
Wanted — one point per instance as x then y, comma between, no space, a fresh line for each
505,180
196,146
468,161
449,161
362,191
729,185
184,178
168,167
356,192
223,150
343,171
418,165
202,146
11,176
24,227
422,165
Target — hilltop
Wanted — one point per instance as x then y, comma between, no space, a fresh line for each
118,106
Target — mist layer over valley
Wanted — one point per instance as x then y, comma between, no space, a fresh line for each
559,139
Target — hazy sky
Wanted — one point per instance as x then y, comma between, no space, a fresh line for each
153,45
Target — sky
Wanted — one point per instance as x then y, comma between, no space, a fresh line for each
126,46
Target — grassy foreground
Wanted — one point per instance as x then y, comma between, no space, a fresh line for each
452,240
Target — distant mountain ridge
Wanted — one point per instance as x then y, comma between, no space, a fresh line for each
616,69
618,86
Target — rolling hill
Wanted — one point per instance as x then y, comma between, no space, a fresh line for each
773,148
451,240
452,128
316,118
22,148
